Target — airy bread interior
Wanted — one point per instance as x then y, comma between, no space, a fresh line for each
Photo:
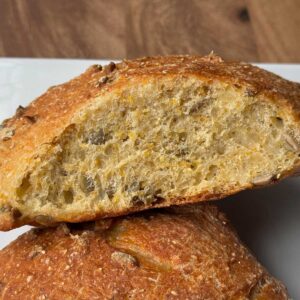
158,140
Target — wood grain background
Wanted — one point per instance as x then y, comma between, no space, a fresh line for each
252,30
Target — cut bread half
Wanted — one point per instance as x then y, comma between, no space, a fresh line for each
146,133
186,253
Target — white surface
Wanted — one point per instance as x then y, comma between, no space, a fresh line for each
267,220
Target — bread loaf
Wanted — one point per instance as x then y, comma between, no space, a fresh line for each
185,253
146,133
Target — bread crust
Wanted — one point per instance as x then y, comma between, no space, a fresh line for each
190,252
33,131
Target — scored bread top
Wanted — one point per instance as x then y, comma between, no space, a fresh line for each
186,253
33,130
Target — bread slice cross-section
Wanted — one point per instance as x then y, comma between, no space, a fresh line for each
184,253
146,133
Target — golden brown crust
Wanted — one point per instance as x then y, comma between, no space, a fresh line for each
180,253
34,129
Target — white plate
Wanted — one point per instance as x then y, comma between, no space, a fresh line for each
267,220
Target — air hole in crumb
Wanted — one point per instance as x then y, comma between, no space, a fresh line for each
98,162
182,136
109,149
68,196
220,149
23,188
211,172
16,213
193,166
277,122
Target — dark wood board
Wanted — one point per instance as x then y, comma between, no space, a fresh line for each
251,30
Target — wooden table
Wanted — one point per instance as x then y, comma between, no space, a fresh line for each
252,30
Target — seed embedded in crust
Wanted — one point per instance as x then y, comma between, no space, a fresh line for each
63,228
20,110
250,92
110,67
31,119
99,67
103,79
124,259
263,179
31,235
7,134
37,250
4,123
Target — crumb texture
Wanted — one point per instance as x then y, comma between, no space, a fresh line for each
188,253
162,141
146,133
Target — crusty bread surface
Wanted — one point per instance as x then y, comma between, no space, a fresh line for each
184,253
146,133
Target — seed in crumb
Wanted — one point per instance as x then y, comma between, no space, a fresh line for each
29,278
292,143
174,293
5,208
124,259
137,201
44,220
